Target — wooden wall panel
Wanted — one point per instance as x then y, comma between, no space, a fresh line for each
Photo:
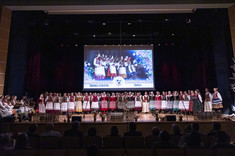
5,25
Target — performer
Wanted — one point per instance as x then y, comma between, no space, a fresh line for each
64,104
78,100
86,103
191,102
71,105
99,68
121,105
112,72
158,100
94,104
112,104
145,108
164,101
138,102
5,110
208,101
170,102
217,101
176,102
130,101
122,68
181,101
152,105
49,104
197,103
41,105
104,103
57,103
186,101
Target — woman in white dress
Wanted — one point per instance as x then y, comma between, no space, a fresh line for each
56,103
86,107
99,68
186,101
138,102
95,103
145,108
41,105
71,104
78,100
64,104
217,101
208,101
164,101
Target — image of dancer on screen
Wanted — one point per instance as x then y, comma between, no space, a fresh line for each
99,67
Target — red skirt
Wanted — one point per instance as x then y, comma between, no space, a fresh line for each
112,105
190,105
104,106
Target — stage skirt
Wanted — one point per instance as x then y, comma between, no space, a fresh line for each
164,105
99,72
49,107
130,105
57,107
169,105
122,72
112,105
104,106
152,105
186,105
207,106
71,106
42,108
138,106
197,106
217,103
191,105
158,104
64,107
112,71
181,105
86,106
79,106
145,107
121,105
95,105
176,105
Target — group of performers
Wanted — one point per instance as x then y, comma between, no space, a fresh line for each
54,103
110,67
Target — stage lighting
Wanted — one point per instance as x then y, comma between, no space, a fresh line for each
94,35
129,23
109,33
103,23
172,34
166,19
76,45
159,44
133,35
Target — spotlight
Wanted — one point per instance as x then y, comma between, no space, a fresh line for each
133,35
159,44
166,20
172,34
76,45
129,23
94,35
103,23
109,33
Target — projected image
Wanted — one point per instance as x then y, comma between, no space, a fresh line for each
106,67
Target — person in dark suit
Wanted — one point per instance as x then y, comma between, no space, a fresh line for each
164,141
223,141
132,130
74,130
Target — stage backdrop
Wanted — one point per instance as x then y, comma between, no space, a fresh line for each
118,67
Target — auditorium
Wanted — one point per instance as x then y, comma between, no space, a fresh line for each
120,78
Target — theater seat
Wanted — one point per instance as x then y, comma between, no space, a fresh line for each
49,142
70,142
34,142
139,152
52,152
23,152
198,152
92,140
175,139
134,142
149,140
113,142
225,152
76,152
111,152
168,152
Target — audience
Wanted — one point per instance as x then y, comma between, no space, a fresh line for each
132,130
216,128
114,131
176,130
6,142
192,140
155,131
74,130
223,141
32,130
92,131
50,132
164,141
22,141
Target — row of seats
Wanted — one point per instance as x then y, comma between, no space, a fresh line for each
113,142
122,152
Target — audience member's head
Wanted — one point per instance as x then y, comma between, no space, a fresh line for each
132,126
164,136
193,140
6,141
22,141
222,137
195,127
49,126
92,150
176,129
188,129
114,131
32,128
216,126
75,125
92,131
155,131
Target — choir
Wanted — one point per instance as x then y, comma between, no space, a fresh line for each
173,102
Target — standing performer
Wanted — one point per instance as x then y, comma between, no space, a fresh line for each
197,103
112,104
186,101
99,69
176,102
158,100
121,105
71,104
86,103
164,101
112,72
181,102
49,104
130,101
41,105
208,101
138,102
95,103
152,105
78,100
64,104
217,101
145,108
170,102
104,103
191,102
122,68
56,103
